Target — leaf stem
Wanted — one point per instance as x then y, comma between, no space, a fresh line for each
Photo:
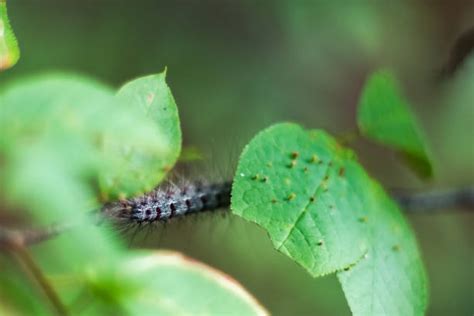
28,263
348,137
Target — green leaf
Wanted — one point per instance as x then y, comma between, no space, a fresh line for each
321,209
152,95
67,142
167,283
51,162
390,279
9,51
385,117
48,144
288,182
95,137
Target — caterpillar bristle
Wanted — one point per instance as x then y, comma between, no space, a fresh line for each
170,201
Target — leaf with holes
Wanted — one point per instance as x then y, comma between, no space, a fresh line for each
321,209
9,51
167,283
152,95
385,117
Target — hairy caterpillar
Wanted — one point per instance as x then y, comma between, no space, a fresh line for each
167,202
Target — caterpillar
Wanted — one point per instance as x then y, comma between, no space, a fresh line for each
167,202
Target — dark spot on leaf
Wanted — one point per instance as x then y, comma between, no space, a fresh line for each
292,164
342,171
314,159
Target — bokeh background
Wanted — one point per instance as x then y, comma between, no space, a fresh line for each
235,67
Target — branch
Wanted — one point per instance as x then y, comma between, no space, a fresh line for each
460,51
436,201
16,238
423,202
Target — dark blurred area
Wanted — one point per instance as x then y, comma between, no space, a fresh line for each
235,67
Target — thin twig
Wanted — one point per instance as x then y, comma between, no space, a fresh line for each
12,238
25,259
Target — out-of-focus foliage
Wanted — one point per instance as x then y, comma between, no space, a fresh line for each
152,95
72,136
70,142
384,116
17,294
321,209
166,283
9,50
453,130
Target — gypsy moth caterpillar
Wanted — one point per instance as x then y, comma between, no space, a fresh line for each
169,201
178,197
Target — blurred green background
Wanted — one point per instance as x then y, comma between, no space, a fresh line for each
235,67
